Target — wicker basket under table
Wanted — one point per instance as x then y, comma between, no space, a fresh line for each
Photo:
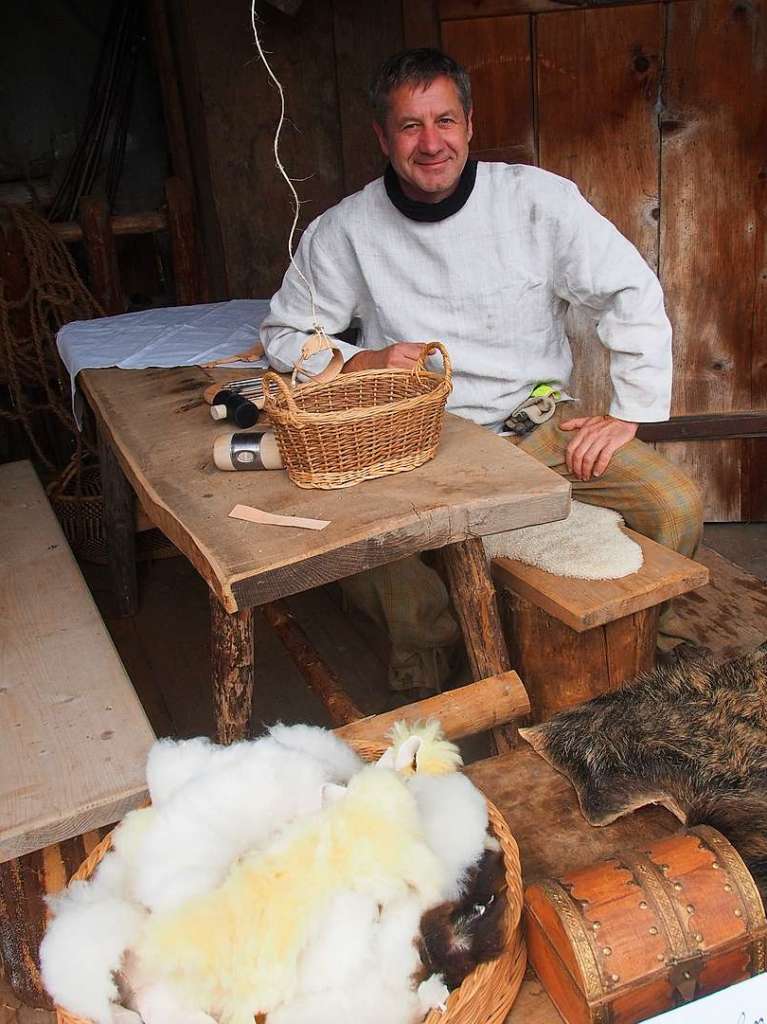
361,425
486,996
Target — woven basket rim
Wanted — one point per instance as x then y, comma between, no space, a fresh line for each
278,410
497,981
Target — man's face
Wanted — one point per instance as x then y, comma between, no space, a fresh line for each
426,138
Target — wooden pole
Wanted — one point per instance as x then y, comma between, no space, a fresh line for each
462,712
319,676
231,669
101,254
173,108
126,224
188,270
473,595
119,527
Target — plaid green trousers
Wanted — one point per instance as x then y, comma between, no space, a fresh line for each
409,601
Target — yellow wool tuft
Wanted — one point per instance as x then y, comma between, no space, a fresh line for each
234,952
435,756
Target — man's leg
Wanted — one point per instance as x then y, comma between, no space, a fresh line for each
654,497
410,603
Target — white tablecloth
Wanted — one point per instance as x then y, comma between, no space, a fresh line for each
176,336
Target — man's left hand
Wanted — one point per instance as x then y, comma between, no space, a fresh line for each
596,440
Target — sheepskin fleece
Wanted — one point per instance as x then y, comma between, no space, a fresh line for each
370,842
588,545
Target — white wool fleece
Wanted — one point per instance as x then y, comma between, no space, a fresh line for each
338,757
249,792
83,947
453,815
172,763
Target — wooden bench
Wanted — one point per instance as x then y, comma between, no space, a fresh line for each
572,639
75,737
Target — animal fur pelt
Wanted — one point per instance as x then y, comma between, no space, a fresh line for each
692,736
457,936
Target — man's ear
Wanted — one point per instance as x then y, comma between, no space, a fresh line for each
381,136
469,125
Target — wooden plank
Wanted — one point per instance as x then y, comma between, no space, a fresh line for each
583,604
477,484
464,711
101,254
123,224
756,460
490,8
714,426
601,130
188,270
496,52
361,45
75,737
420,23
240,114
712,156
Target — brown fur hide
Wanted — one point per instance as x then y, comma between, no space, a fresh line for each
692,737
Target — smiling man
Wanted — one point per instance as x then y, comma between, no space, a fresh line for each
487,257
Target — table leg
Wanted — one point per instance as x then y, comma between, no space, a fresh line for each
473,595
120,529
231,669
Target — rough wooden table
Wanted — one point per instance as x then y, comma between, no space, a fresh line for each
156,438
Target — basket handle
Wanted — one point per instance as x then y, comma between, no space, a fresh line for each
426,351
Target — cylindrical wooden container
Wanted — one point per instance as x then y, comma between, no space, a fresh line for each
623,940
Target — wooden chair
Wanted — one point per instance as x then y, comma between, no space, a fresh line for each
75,737
572,639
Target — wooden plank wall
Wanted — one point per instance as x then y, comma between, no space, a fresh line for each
658,110
324,56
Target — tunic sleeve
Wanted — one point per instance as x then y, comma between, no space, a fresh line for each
288,324
600,271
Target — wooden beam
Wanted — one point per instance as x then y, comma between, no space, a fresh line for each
188,271
101,254
318,675
471,709
167,72
707,427
449,9
127,224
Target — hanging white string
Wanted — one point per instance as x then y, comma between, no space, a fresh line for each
318,328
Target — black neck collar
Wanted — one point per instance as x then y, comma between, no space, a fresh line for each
431,212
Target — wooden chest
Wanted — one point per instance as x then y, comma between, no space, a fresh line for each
623,940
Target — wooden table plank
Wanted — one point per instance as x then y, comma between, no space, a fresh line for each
162,434
74,736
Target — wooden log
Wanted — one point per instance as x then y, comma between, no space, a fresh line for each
101,254
125,224
710,426
119,526
473,596
167,72
562,668
462,712
188,273
231,670
24,883
319,676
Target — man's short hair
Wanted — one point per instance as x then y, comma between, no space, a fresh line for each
416,68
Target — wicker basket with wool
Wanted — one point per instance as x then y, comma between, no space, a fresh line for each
487,994
359,426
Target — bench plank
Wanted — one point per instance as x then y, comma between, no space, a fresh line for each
583,604
75,737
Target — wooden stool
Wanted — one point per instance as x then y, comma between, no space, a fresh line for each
572,639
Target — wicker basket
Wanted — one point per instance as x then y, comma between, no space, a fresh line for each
486,996
359,426
79,505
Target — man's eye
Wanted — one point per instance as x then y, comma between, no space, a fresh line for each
447,121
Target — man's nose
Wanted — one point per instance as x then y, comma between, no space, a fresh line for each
429,140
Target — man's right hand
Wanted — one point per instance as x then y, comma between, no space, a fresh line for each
403,355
